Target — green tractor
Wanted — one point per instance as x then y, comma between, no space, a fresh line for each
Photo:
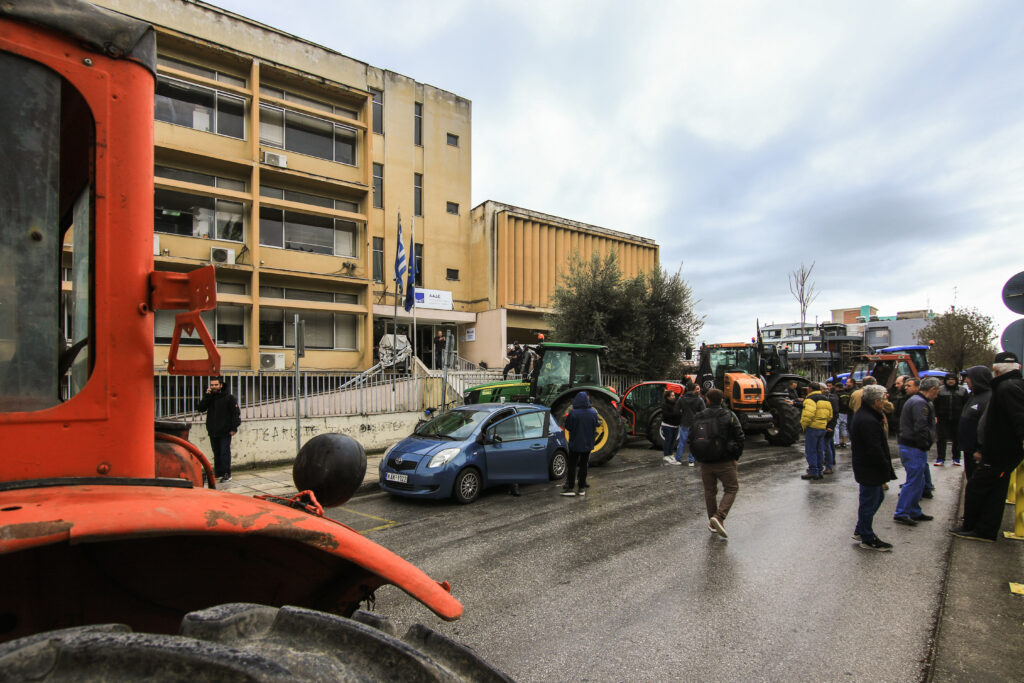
561,372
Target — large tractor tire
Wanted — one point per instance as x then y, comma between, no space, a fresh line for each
785,424
245,642
610,429
654,431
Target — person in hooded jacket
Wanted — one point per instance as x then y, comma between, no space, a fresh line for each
872,464
815,418
948,406
979,381
581,424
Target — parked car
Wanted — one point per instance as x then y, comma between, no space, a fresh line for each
461,452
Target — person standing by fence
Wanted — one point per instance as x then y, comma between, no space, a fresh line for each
222,421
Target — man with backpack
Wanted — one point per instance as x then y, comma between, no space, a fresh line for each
716,441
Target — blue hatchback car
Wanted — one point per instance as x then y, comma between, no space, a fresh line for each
465,450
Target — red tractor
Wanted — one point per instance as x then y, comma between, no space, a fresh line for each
107,546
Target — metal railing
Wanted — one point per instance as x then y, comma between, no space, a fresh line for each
271,395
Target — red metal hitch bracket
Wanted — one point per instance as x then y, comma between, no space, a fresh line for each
195,291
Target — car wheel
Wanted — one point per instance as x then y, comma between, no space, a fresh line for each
467,486
557,466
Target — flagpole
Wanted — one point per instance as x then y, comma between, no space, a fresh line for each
398,284
412,263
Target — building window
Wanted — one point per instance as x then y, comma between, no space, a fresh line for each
180,213
226,323
324,329
306,134
453,139
417,194
417,124
378,111
199,108
417,251
268,91
452,273
306,232
200,71
306,198
378,259
452,207
378,186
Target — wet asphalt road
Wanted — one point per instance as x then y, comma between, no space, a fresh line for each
627,584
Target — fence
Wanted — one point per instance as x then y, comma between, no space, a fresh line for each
268,395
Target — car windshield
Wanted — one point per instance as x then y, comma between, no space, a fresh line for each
455,424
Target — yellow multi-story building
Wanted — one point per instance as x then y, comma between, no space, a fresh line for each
287,166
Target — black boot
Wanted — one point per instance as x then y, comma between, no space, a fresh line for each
514,490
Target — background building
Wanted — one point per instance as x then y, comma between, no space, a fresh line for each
519,256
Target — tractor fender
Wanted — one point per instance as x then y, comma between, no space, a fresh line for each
326,565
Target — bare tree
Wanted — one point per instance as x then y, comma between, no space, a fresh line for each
803,291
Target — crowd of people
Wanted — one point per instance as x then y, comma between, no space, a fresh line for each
982,424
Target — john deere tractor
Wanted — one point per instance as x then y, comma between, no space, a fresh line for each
562,371
754,379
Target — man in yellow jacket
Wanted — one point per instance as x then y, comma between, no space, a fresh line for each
814,420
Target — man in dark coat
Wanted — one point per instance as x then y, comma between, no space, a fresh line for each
581,423
872,464
979,381
948,406
716,441
690,403
515,358
1002,449
670,418
222,421
917,434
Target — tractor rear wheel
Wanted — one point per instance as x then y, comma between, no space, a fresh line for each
246,642
610,429
654,431
785,423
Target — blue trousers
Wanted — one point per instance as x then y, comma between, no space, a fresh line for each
870,500
915,464
669,434
684,435
829,447
814,450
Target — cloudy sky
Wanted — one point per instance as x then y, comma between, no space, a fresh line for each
881,141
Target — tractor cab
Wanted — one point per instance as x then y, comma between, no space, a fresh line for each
884,367
564,367
735,369
918,354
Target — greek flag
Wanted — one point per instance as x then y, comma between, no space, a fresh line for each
410,289
399,259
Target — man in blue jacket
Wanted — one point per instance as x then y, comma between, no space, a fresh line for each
581,424
917,434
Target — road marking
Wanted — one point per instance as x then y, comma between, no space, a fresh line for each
387,523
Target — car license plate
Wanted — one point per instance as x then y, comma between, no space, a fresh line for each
400,478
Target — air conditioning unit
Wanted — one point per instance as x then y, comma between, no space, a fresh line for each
275,159
222,256
271,361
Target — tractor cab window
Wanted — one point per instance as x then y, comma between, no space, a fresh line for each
45,237
553,377
734,359
903,368
920,359
586,369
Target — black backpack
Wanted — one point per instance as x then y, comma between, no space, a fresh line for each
707,443
844,401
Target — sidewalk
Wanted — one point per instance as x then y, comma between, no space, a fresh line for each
277,481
